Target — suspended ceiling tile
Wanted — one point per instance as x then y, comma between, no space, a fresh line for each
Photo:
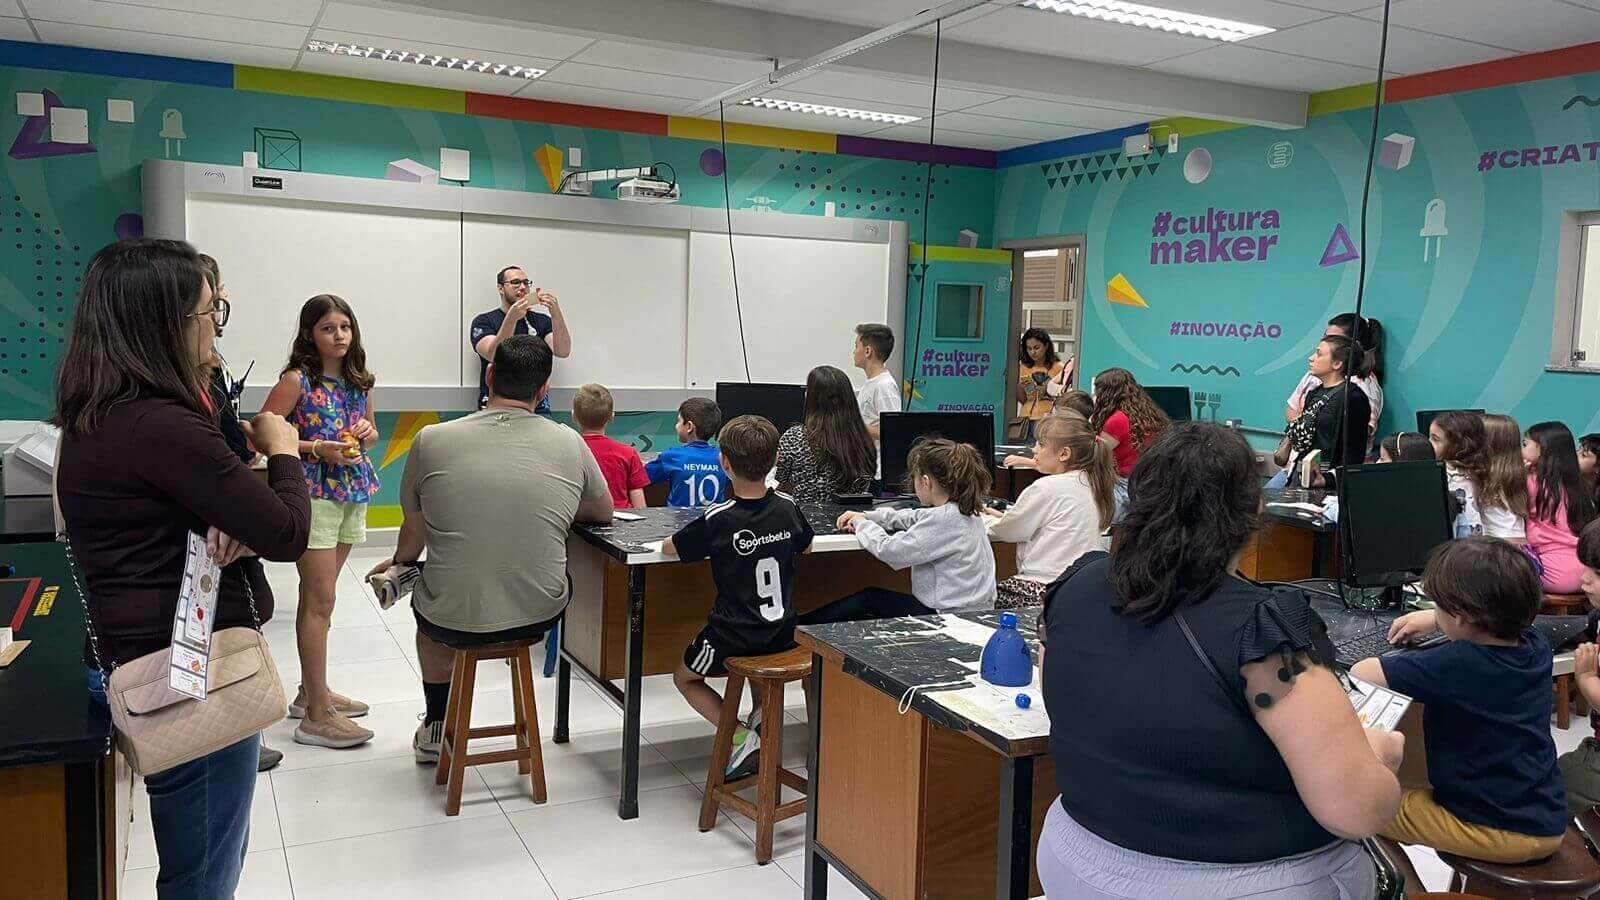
1247,65
10,9
1044,111
295,12
845,85
868,13
15,30
662,61
1523,25
402,25
1354,41
165,22
687,89
1017,128
165,45
773,118
1058,34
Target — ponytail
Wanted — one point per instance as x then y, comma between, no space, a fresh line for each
1089,455
958,468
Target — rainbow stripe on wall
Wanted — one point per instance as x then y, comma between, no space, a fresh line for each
470,103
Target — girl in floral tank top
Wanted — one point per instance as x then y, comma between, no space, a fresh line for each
325,392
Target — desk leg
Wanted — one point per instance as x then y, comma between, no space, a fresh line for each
1316,554
628,806
1016,828
563,696
816,887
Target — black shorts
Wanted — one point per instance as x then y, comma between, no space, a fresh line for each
708,654
466,640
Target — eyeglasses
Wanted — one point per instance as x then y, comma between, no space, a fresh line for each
218,312
519,282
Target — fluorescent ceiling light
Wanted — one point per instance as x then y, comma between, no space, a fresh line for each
864,115
436,60
1153,17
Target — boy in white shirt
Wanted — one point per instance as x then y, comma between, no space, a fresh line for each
881,393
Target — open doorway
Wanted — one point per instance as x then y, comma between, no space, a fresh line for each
1046,293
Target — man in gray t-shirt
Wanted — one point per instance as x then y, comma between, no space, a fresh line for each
491,498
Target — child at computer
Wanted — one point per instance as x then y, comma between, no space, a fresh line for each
943,542
694,467
592,411
1558,506
881,393
1580,768
752,541
1059,517
1404,446
1503,494
1459,441
1073,402
1497,795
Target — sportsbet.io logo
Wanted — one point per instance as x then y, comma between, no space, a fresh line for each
746,542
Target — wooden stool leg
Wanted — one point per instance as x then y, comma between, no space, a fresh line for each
1563,702
771,761
463,728
721,749
457,665
528,719
519,709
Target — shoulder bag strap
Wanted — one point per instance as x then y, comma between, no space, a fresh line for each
1205,660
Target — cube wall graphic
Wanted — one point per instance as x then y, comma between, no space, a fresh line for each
278,148
1396,151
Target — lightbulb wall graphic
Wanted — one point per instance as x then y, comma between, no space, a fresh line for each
172,131
1433,229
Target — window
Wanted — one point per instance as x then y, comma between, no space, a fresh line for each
1575,344
958,312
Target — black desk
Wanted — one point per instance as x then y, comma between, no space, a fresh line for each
59,837
941,802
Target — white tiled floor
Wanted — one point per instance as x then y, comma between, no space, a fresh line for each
369,822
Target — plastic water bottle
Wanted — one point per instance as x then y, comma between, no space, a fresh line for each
1006,660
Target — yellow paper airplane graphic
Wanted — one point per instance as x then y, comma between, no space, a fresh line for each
1118,290
549,159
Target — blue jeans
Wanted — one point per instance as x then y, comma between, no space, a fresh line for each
200,812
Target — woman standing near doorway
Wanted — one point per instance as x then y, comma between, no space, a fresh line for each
1037,367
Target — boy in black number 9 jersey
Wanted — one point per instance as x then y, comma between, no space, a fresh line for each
751,540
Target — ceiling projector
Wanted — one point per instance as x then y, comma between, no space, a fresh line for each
648,190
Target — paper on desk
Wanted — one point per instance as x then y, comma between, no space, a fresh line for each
1308,507
621,516
1377,708
966,631
995,708
652,546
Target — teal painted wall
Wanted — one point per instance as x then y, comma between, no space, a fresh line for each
1469,326
59,210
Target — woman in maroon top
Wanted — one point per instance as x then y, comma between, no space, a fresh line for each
142,465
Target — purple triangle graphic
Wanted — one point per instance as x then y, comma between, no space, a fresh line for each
32,143
1339,249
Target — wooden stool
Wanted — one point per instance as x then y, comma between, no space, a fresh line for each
1571,872
1566,688
454,756
767,674
1564,605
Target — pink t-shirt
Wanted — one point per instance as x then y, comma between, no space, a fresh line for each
1556,546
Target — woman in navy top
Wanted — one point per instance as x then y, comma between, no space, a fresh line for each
1203,746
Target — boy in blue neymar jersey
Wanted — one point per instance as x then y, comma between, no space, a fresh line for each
695,468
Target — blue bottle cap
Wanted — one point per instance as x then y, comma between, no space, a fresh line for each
1008,620
1024,701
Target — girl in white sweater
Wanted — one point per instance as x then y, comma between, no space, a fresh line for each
1059,517
943,542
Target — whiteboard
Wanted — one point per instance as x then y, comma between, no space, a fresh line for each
623,291
801,299
399,269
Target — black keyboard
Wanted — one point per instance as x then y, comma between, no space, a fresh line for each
1377,644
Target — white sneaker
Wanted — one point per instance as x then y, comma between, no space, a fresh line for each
746,756
426,743
397,582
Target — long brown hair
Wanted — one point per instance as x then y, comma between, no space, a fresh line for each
1465,438
303,355
1115,389
130,333
1506,482
958,468
834,428
1090,455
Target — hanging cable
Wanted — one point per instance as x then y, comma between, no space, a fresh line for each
733,263
1361,276
927,213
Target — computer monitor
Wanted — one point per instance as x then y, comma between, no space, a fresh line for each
781,404
1391,516
1174,401
1425,417
900,431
